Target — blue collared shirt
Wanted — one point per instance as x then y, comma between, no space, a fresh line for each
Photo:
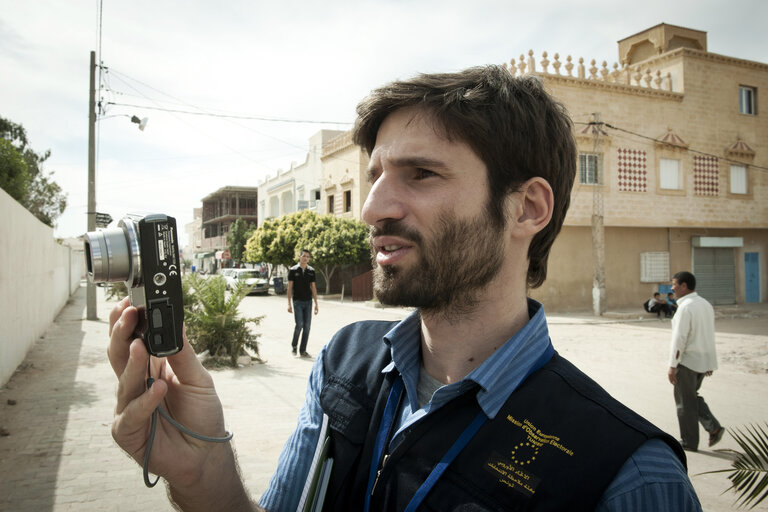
651,479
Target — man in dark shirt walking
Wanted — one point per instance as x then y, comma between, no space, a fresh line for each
301,292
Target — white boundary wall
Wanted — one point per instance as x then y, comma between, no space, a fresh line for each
37,276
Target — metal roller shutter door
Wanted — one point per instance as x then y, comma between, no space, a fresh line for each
715,274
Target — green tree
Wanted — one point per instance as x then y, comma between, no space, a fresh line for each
275,240
45,199
238,235
258,248
334,242
29,184
290,232
13,172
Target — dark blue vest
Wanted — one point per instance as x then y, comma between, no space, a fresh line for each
556,444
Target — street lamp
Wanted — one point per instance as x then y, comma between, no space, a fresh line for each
141,122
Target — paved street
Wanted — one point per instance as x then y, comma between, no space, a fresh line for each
57,454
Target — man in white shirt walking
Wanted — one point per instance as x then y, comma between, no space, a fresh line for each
692,357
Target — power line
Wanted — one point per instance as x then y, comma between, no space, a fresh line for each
205,112
200,111
653,139
123,78
229,116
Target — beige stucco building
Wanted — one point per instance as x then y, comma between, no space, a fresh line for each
344,182
297,188
672,167
673,159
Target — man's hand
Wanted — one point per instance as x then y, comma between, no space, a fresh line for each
672,374
290,307
200,473
317,307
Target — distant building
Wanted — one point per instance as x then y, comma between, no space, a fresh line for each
298,188
344,185
194,231
220,209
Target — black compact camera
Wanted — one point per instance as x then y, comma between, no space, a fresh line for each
144,253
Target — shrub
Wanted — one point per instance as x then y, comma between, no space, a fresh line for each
749,471
115,291
213,321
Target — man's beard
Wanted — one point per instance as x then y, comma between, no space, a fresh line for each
456,263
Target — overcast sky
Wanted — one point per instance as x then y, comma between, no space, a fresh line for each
290,60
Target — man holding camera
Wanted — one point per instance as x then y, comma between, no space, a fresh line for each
464,404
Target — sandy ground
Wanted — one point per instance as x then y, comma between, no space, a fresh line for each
58,455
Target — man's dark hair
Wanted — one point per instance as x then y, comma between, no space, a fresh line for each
512,124
687,278
656,294
305,251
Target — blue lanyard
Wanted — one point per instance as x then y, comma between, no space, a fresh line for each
393,402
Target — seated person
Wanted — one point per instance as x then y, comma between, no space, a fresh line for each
671,302
658,305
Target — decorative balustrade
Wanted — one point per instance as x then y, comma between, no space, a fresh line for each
337,143
635,76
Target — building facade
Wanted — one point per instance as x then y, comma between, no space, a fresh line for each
220,209
194,231
298,188
344,180
672,173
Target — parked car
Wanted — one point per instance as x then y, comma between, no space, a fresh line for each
248,276
224,272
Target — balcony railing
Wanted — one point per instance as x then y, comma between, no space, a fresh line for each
210,214
215,242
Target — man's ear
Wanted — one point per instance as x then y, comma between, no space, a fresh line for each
535,203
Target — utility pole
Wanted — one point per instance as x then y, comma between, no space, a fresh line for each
91,288
598,227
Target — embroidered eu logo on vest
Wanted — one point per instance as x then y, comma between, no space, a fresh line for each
537,439
514,470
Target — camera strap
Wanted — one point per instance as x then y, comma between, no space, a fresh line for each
159,409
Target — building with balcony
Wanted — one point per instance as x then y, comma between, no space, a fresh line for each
220,209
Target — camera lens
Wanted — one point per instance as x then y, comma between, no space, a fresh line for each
113,255
107,256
